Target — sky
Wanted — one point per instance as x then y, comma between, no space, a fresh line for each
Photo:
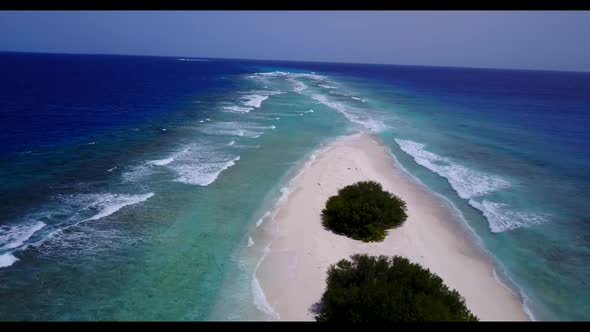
548,40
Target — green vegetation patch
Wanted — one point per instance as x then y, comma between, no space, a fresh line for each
370,289
363,211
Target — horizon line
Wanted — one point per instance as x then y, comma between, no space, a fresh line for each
307,61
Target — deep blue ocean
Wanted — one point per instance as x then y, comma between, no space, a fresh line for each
131,187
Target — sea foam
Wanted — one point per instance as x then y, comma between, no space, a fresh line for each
256,98
288,75
202,174
501,219
241,129
73,211
197,163
360,119
91,207
137,173
258,295
184,59
170,159
15,236
7,260
470,184
298,86
261,220
237,109
466,182
162,162
142,171
107,204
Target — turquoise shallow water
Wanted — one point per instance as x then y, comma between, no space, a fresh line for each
157,209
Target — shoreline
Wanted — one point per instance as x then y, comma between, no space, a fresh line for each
292,273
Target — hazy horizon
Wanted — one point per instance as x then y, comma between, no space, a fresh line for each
519,40
300,61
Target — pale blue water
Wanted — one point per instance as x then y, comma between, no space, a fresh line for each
138,188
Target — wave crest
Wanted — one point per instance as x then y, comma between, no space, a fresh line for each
360,119
501,219
466,182
203,174
15,236
73,210
7,260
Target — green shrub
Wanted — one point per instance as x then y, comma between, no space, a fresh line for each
363,211
369,289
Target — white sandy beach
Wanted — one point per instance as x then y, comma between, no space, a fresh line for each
293,274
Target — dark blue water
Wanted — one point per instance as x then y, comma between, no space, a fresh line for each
60,99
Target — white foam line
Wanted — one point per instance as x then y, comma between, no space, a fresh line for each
258,295
17,235
183,59
162,162
261,220
255,100
466,182
187,173
527,309
166,161
501,219
7,260
236,109
298,85
107,211
515,290
368,123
